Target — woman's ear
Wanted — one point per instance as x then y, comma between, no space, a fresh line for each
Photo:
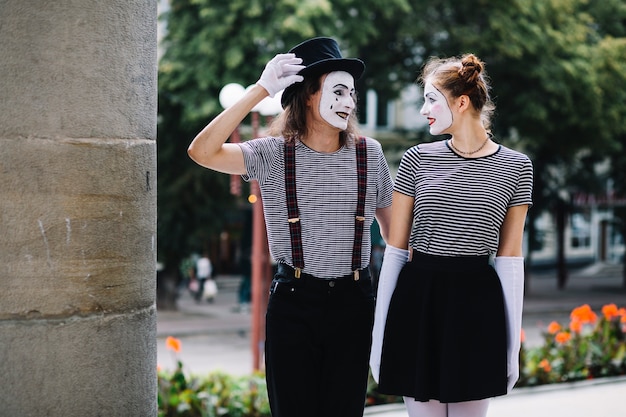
463,103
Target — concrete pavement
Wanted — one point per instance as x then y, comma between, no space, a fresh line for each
600,398
217,336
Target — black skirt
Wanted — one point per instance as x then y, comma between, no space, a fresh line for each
445,337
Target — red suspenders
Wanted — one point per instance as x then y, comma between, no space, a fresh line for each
359,217
293,217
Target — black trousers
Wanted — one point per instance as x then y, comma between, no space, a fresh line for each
318,339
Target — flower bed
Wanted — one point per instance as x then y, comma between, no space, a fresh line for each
589,346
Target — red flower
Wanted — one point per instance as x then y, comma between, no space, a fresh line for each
562,337
576,326
173,344
584,314
545,365
554,327
610,311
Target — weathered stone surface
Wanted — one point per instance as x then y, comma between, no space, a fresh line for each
78,234
98,366
78,69
78,111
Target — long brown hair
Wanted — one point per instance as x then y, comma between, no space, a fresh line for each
291,123
462,76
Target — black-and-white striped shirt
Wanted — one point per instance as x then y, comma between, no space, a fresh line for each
326,185
460,203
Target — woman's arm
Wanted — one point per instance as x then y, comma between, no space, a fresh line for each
512,231
401,220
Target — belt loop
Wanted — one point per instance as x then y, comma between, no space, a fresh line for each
356,274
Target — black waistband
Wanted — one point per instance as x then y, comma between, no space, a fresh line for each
287,270
449,262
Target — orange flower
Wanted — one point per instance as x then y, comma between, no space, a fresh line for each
554,327
584,314
522,335
610,311
545,365
562,337
173,344
576,326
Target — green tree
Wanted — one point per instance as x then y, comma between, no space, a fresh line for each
547,50
611,27
552,65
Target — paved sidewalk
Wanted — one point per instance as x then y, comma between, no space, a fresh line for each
600,398
596,285
221,316
217,335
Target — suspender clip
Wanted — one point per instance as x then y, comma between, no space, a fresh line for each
360,218
296,272
294,220
356,274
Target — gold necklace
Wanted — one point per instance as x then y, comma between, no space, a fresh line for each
471,152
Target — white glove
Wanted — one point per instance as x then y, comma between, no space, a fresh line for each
280,73
510,270
394,260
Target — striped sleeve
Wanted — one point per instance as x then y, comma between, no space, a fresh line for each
385,183
523,193
259,155
405,178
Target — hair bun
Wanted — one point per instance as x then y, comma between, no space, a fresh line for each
471,68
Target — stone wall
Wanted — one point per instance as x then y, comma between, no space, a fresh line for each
78,109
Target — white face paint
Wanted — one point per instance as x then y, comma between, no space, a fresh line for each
436,109
337,99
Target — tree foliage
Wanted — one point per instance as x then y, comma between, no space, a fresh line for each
211,43
557,69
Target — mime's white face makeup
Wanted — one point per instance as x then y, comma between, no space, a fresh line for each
436,109
337,99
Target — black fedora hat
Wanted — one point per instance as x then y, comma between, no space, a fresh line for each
321,56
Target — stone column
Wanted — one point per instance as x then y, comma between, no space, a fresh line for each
78,208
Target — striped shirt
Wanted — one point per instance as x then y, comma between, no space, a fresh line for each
326,187
460,203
